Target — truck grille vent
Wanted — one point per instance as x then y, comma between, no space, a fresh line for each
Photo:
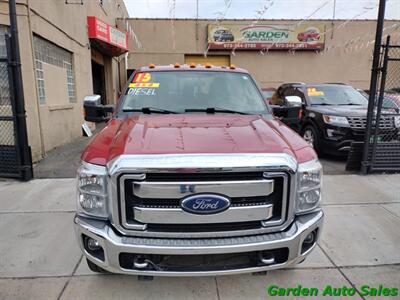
204,227
203,176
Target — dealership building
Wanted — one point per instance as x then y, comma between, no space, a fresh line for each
273,51
69,49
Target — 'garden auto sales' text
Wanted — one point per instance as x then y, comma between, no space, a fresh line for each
331,291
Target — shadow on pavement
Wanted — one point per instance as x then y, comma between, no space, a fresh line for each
334,165
63,161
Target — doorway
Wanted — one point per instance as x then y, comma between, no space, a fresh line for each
99,82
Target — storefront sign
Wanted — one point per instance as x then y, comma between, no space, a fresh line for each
101,31
266,36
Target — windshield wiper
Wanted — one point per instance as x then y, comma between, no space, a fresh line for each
324,103
213,110
149,110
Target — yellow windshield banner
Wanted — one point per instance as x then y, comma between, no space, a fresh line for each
266,36
144,84
313,92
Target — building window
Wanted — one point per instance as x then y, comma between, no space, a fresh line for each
49,53
40,81
70,82
3,47
5,98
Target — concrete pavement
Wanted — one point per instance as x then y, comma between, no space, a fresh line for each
40,259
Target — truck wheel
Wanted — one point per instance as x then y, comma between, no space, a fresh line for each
311,136
95,268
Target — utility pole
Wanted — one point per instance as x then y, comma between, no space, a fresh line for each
333,18
21,130
372,88
197,20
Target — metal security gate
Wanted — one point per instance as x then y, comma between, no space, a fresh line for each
383,132
9,150
15,153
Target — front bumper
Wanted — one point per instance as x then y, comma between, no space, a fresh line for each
340,143
114,244
336,147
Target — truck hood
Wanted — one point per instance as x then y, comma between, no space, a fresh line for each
194,133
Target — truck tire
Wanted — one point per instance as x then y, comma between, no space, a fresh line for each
311,136
95,268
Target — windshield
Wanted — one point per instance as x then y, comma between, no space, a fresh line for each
177,91
335,95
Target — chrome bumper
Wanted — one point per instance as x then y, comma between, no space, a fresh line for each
113,244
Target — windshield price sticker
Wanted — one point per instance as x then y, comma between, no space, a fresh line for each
312,92
142,91
146,84
142,77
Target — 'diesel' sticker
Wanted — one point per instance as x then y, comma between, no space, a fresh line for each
141,91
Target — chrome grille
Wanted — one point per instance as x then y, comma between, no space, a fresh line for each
357,123
152,201
201,167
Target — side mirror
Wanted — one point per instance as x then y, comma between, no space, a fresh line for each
290,115
293,101
279,111
94,110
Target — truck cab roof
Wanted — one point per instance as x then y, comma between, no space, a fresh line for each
191,67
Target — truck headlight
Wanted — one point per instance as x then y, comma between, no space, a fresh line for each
308,186
92,190
336,121
396,120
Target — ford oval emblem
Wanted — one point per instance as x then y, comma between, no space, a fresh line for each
205,204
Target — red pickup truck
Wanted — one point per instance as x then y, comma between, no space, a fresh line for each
194,176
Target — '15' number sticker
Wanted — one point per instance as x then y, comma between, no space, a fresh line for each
142,77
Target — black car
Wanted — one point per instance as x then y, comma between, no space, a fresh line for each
223,35
328,116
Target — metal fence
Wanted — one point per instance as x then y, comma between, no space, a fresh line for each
9,151
383,139
15,153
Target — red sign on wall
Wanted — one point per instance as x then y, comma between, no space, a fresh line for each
116,41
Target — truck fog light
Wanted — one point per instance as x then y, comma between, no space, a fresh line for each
92,244
93,247
310,238
309,241
329,132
